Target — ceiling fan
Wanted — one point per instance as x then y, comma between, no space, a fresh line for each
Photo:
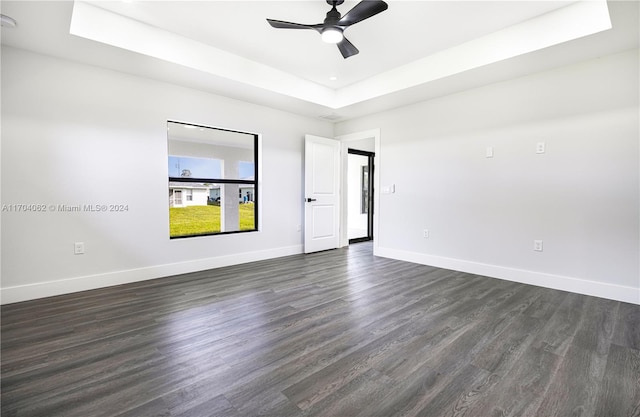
334,24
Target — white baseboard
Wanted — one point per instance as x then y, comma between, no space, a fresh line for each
557,282
65,286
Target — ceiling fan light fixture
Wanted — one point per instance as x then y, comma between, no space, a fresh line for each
332,35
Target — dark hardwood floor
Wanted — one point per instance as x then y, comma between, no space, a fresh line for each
338,333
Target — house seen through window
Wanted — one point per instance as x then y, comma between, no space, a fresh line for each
212,180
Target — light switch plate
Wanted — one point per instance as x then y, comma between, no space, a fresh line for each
388,189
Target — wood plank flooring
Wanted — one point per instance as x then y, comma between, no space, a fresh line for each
334,334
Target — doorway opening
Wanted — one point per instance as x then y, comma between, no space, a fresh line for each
360,195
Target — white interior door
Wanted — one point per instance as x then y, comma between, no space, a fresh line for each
322,193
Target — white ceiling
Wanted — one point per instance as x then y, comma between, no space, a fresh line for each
408,31
413,51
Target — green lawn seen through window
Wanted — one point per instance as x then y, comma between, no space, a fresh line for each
201,220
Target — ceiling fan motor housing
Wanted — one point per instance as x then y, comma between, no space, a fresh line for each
333,16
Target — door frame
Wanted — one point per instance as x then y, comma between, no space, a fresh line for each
371,189
345,139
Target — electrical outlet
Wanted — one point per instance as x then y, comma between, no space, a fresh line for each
537,245
425,233
78,248
540,147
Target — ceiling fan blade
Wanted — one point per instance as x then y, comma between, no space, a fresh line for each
347,49
363,10
279,24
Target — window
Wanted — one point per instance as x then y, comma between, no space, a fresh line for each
213,180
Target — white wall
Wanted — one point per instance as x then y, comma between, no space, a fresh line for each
368,145
581,197
75,134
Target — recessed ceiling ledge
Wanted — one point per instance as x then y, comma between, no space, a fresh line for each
571,22
568,23
100,25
